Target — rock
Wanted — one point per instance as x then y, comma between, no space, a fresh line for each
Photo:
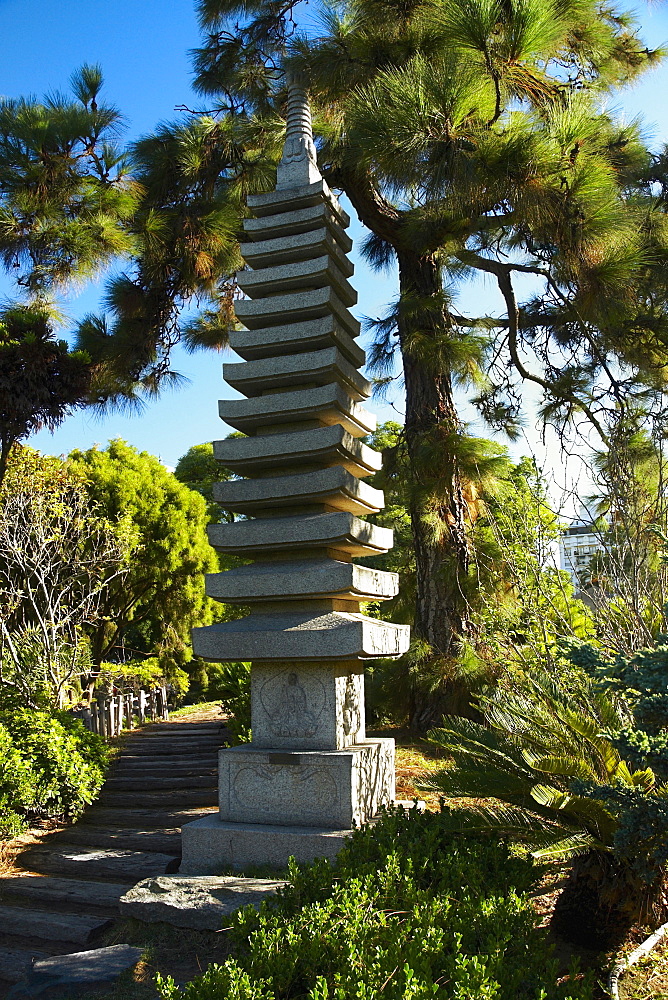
198,902
62,975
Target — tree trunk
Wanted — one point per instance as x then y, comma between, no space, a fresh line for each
5,449
438,506
603,899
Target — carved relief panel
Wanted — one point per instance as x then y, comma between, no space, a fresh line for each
308,707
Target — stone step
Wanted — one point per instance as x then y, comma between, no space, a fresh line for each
133,766
84,895
180,735
339,530
329,404
168,750
16,962
334,486
177,733
321,446
301,636
143,818
315,334
166,841
205,758
177,740
139,783
148,766
312,579
75,974
117,865
277,310
165,801
255,378
49,926
175,727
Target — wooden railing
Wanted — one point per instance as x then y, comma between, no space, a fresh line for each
109,714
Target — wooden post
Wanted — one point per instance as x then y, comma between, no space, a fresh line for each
142,707
128,710
102,715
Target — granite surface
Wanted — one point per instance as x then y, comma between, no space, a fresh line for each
196,902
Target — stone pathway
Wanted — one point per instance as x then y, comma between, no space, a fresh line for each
65,889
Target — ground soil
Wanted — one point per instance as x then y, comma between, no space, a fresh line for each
648,980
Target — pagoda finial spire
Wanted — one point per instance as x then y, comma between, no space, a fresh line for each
299,164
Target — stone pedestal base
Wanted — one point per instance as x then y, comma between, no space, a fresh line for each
307,706
211,845
321,788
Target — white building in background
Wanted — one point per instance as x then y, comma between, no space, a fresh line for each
577,546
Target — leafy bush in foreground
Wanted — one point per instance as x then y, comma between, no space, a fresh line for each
49,766
407,911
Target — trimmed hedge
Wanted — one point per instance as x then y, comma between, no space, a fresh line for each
408,911
50,766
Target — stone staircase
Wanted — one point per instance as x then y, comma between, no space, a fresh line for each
64,891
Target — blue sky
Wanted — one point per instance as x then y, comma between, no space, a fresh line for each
142,46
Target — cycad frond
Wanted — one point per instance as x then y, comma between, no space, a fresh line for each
565,848
542,754
567,767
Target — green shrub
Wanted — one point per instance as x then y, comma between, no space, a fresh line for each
406,912
230,683
15,785
642,681
49,766
147,673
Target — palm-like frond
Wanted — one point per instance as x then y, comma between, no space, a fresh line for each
567,767
538,761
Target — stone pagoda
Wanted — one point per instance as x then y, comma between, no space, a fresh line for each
310,774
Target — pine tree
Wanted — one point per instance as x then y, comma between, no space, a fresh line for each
41,380
65,193
470,139
65,199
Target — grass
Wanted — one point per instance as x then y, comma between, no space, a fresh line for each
172,951
414,764
210,709
648,980
415,761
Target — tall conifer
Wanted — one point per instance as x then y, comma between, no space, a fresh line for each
470,137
